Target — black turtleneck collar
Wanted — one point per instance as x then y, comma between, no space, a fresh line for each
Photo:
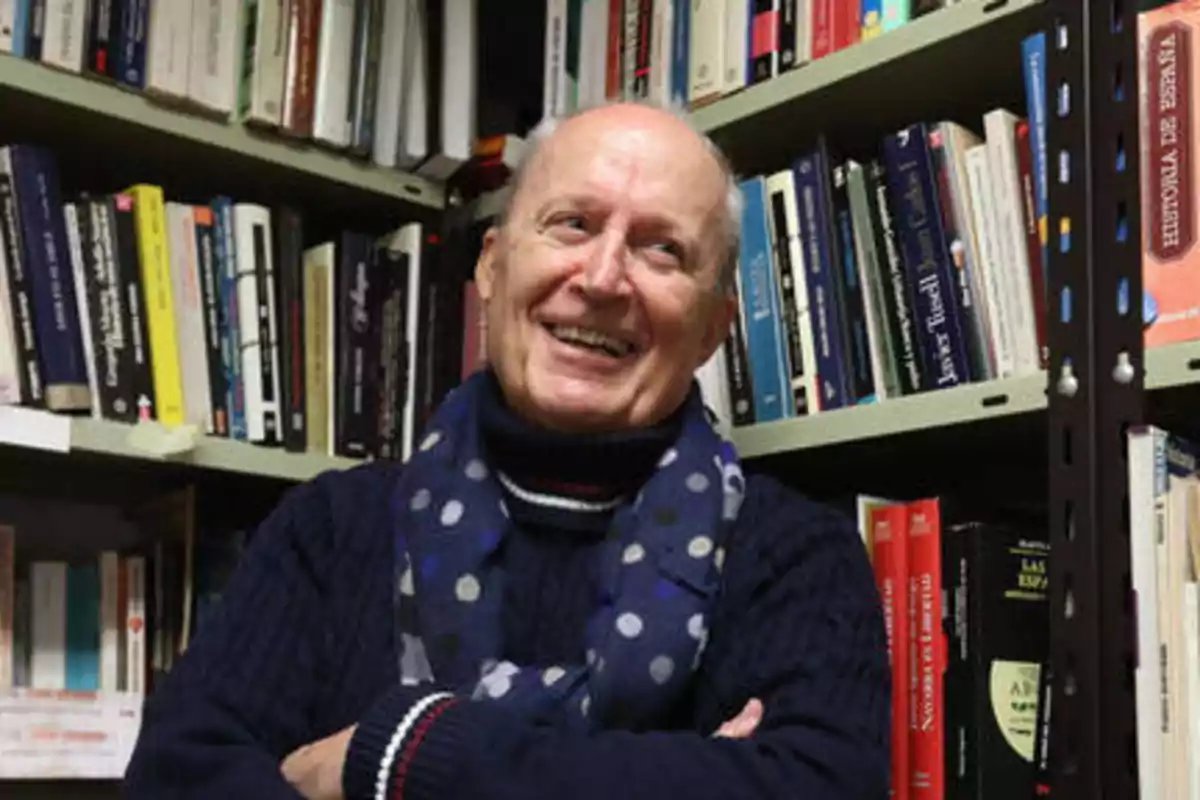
567,480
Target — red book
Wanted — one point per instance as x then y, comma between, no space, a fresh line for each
889,533
927,654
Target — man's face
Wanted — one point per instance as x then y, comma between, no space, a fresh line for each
602,289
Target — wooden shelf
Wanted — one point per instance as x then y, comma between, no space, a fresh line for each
58,433
936,409
34,94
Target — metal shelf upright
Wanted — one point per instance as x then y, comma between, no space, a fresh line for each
1095,392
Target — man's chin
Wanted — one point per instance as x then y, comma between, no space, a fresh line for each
579,405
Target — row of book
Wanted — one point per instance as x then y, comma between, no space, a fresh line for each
918,270
392,81
693,52
132,306
966,610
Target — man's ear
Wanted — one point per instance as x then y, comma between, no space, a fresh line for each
485,265
720,319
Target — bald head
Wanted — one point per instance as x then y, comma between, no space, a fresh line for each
559,140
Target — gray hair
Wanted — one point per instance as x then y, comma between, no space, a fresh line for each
732,211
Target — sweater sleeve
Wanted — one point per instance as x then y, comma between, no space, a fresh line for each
235,704
800,628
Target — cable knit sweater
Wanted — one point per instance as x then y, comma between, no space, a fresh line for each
301,646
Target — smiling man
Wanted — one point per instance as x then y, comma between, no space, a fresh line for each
570,590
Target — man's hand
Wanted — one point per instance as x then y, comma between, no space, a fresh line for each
744,724
315,770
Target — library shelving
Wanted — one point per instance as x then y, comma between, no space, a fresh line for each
960,60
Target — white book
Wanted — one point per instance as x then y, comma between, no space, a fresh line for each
189,315
335,52
8,20
458,91
64,32
82,306
737,53
48,625
706,56
999,128
216,54
593,52
782,184
110,621
390,95
554,77
714,388
662,31
135,625
10,357
168,47
1191,618
407,239
270,63
257,322
989,260
629,51
414,127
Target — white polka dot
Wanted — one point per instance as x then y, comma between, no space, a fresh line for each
630,625
700,547
695,626
498,685
553,675
591,656
668,458
697,482
406,583
476,470
633,554
661,669
599,665
504,509
420,500
717,462
585,705
452,512
719,559
467,588
429,441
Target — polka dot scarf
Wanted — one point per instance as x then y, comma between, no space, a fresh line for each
662,564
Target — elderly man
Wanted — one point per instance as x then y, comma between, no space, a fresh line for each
569,591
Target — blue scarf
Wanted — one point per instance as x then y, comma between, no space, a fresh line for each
660,574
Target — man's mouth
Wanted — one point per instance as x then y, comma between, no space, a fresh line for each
591,339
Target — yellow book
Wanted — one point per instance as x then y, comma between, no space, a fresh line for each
151,221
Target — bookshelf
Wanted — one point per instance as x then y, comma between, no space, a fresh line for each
958,61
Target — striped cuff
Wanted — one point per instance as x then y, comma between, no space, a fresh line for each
381,735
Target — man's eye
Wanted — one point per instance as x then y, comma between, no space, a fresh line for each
668,249
573,222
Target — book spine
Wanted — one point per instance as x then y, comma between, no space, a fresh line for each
353,335
206,245
48,625
83,627
850,291
760,304
763,45
681,19
188,299
789,273
885,363
923,248
231,336
121,208
737,365
8,606
114,356
393,279
927,654
63,42
818,267
87,309
1033,242
20,289
103,31
318,338
889,558
131,51
290,315
1033,48
789,25
150,216
56,320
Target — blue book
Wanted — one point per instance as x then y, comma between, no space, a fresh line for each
759,295
816,226
680,50
48,267
225,251
83,627
926,256
20,30
1033,48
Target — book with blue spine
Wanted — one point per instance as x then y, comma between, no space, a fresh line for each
56,317
1033,50
83,627
923,248
681,22
824,309
231,340
760,307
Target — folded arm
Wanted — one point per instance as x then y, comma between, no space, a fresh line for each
800,629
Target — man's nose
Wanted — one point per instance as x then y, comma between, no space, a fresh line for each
605,272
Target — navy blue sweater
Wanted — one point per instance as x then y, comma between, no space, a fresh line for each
301,646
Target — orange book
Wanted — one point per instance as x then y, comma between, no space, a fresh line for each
1169,116
927,652
889,533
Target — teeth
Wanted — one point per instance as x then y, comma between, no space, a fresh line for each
591,338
